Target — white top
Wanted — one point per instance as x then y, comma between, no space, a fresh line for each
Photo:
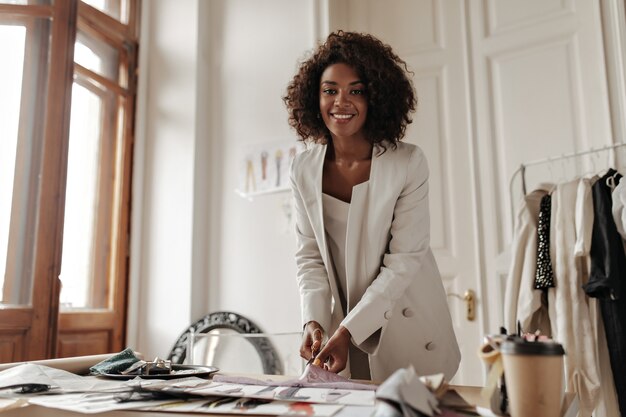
336,215
336,219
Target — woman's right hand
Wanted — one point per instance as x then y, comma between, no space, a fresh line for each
311,340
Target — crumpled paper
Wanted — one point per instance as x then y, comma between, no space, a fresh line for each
408,393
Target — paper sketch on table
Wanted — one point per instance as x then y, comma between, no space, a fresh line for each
91,403
270,392
89,394
264,168
247,407
313,376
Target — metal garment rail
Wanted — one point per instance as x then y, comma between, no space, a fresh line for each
522,169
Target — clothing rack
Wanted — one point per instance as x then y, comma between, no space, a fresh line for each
522,168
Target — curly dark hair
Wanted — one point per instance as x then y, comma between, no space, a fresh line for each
390,94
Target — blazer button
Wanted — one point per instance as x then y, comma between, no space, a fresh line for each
430,346
388,314
407,312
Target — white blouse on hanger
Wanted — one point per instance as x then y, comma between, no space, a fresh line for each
569,310
619,214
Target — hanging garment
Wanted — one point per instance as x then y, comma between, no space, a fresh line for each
544,277
607,253
608,405
618,202
522,301
584,224
607,401
608,263
570,318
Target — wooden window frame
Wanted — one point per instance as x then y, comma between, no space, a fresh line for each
30,332
104,328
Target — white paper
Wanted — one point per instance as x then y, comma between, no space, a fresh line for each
91,403
313,376
95,395
56,378
279,408
482,411
78,365
356,411
313,395
26,374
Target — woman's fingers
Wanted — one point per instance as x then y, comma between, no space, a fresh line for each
334,355
311,340
318,336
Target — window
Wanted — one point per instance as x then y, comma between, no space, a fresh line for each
12,41
66,111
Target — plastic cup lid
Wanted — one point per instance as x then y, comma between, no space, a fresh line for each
531,348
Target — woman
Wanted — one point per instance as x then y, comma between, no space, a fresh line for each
367,276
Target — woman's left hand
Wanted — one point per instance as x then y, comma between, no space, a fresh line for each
334,355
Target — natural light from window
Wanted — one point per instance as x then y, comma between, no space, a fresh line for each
81,191
116,9
12,39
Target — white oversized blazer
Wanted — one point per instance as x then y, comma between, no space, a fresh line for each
397,307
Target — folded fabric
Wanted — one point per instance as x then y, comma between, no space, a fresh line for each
115,364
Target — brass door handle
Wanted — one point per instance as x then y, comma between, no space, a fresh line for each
470,299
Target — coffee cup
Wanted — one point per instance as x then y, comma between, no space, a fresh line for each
533,372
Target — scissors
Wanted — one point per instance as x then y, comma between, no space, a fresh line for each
313,357
314,352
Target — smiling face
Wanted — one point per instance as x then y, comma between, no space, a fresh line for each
343,102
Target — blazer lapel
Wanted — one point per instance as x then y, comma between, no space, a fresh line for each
314,196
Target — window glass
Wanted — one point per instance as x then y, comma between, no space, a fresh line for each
97,56
117,9
23,87
31,2
81,199
12,39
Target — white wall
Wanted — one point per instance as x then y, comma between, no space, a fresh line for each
163,176
261,43
212,77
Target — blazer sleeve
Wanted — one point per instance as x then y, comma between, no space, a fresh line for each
408,250
312,277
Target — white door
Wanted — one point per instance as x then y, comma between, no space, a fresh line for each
541,90
498,83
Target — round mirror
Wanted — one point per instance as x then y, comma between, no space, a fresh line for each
228,350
